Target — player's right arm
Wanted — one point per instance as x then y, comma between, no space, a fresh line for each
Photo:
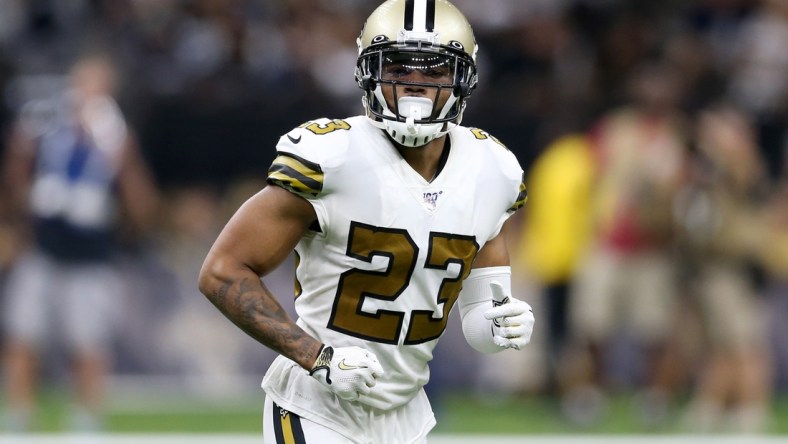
258,238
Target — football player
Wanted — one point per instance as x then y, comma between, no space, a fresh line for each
395,216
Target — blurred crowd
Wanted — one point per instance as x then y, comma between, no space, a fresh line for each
654,246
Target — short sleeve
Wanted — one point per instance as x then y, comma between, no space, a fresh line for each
308,155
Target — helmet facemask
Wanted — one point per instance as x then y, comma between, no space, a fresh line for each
414,120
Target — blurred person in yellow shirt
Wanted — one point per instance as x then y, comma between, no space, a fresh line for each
554,232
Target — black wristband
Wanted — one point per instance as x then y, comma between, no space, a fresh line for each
323,361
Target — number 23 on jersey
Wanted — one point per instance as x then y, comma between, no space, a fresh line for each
356,285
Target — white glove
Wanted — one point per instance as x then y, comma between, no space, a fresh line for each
512,319
347,371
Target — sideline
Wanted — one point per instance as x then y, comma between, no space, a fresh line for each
435,439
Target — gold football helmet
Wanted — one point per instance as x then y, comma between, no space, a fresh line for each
431,36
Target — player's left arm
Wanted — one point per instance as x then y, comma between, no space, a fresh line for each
493,320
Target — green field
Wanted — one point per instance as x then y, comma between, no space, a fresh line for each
456,414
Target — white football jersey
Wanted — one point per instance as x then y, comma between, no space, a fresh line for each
384,266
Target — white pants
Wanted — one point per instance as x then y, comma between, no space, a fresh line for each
290,386
283,427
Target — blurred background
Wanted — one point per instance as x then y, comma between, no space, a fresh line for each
654,245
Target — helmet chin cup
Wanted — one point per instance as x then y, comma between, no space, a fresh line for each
409,133
413,109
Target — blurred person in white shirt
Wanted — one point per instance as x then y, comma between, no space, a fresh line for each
76,178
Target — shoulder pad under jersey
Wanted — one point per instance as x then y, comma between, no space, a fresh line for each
505,161
305,154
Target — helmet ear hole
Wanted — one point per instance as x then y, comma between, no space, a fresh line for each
379,39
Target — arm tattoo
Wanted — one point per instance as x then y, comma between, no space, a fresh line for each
250,306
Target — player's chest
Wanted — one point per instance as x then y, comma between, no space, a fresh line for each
393,192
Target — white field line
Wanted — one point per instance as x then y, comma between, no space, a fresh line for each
434,439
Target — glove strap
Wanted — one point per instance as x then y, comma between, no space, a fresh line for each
323,362
495,303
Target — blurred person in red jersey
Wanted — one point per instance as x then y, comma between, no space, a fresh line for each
626,284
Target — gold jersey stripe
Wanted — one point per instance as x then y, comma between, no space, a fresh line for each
297,174
522,198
